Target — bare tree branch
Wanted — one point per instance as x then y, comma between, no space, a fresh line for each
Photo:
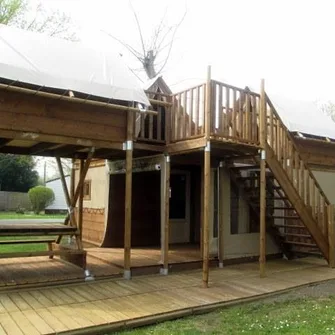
138,27
127,46
171,44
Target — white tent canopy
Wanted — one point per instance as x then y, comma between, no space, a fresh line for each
304,117
44,61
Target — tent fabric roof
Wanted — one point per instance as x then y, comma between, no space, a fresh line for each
304,117
37,59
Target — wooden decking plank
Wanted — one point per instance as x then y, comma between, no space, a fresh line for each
75,312
9,325
52,320
41,297
30,300
122,307
73,295
88,313
109,310
24,323
64,298
8,303
58,313
38,322
87,293
19,301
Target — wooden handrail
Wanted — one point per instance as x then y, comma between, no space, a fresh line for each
295,147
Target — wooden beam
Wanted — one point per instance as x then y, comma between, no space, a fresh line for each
128,197
262,214
207,180
165,224
59,139
187,145
221,215
81,202
331,235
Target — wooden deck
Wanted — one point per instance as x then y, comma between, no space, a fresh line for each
101,262
151,256
101,306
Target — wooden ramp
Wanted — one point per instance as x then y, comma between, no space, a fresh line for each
107,305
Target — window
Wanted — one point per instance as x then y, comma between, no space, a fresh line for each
87,190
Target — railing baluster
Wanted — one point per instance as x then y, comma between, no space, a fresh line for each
225,118
197,111
240,116
184,116
233,118
142,125
297,170
151,126
191,123
247,118
302,181
219,109
313,198
159,123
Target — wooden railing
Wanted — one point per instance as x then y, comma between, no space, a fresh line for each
187,114
286,152
234,113
153,127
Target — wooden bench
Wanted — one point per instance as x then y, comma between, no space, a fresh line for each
48,231
48,241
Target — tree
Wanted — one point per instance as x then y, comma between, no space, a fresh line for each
329,109
17,173
41,197
18,13
155,54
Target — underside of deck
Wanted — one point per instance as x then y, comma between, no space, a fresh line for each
103,306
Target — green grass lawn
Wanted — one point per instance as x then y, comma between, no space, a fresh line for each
13,215
300,317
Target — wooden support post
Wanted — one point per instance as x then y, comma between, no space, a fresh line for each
220,215
73,179
128,196
262,214
76,194
81,203
207,179
331,235
165,203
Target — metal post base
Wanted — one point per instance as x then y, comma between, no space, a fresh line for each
221,265
164,272
127,274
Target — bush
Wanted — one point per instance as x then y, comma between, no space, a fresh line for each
20,210
41,197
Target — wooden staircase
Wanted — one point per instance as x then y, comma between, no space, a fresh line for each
283,223
296,207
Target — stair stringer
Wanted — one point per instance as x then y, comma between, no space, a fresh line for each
296,201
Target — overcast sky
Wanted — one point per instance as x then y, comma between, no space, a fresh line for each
289,43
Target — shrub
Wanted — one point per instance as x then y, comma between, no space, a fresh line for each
41,197
20,210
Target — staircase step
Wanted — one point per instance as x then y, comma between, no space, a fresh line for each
290,226
313,245
283,208
296,235
245,167
286,217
